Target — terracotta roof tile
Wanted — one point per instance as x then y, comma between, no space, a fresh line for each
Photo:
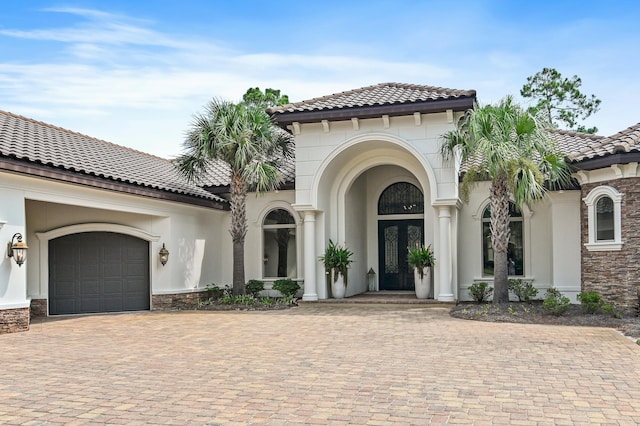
625,141
379,94
37,142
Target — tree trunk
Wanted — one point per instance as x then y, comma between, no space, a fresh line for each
500,238
238,230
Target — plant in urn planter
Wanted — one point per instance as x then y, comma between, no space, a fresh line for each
421,259
336,260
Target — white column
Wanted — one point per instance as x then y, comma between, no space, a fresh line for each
443,256
310,258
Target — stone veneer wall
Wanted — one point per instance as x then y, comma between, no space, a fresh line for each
14,320
168,302
38,308
615,275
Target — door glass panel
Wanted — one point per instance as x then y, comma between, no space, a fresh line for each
414,236
391,249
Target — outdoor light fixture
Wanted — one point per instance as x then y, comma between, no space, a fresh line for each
18,249
164,255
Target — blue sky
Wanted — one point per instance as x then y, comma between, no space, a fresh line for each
134,72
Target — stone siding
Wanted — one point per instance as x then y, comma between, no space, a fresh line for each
38,308
14,320
615,275
168,302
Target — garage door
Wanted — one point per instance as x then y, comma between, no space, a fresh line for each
94,272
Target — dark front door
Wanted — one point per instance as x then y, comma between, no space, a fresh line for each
394,239
98,272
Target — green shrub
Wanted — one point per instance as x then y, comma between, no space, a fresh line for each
213,292
481,292
611,310
227,299
254,287
524,290
591,302
267,301
555,303
287,287
287,300
244,299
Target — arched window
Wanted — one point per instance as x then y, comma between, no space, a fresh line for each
401,198
279,245
515,251
604,216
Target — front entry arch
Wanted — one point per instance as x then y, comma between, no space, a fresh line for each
400,226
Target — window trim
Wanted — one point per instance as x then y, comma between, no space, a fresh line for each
591,200
297,225
525,237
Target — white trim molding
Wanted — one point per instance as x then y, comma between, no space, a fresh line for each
591,201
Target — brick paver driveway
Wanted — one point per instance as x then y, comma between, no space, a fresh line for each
316,364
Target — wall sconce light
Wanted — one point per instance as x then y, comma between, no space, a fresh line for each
164,255
17,249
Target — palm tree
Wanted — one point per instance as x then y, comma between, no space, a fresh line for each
243,137
513,149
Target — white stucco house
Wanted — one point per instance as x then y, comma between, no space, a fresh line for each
367,173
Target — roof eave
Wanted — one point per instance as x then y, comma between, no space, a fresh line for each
373,111
226,189
43,171
607,160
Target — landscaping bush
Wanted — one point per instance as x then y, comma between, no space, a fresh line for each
213,292
555,303
611,310
254,287
287,287
481,292
591,302
524,290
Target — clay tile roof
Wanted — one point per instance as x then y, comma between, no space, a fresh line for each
570,142
391,99
217,175
567,142
36,142
625,141
379,94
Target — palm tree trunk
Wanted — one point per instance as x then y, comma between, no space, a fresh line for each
238,229
499,197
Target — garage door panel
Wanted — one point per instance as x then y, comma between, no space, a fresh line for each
98,272
112,270
65,289
64,272
89,306
112,287
89,288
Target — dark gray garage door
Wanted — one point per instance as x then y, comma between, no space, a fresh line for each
98,272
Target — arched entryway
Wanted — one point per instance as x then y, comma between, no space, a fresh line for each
400,226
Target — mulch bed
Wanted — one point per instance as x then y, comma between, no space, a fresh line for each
532,313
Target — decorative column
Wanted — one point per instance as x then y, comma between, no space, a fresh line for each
310,258
443,255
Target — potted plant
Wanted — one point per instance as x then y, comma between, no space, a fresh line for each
336,260
421,258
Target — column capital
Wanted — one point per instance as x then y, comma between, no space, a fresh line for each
444,211
304,208
449,202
